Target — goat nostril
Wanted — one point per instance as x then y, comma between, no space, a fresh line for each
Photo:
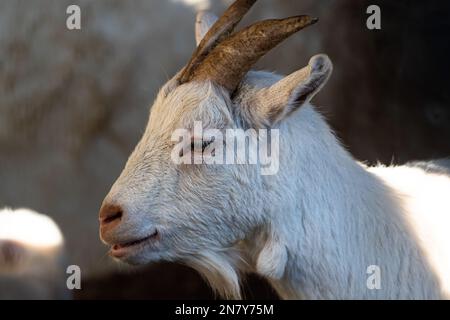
113,217
110,213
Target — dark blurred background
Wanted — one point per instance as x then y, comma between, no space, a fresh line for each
73,104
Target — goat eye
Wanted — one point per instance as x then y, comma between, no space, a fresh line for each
204,144
195,144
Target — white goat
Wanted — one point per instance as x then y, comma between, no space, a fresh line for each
31,256
315,228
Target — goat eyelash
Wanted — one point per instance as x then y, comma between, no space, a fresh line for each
205,144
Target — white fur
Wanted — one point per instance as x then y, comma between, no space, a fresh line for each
312,230
31,256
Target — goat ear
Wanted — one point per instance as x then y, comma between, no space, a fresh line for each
272,104
272,258
203,23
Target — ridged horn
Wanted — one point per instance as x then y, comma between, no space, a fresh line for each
223,27
228,62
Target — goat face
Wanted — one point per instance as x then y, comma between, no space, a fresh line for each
160,210
181,209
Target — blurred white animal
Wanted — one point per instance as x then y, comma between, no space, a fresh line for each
31,256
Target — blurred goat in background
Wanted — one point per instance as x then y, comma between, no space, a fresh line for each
31,256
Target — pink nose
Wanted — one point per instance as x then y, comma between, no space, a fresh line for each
110,216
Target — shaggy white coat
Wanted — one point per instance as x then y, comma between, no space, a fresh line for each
312,230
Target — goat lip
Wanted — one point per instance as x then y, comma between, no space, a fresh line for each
119,250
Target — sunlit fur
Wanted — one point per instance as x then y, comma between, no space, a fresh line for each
32,258
312,229
30,228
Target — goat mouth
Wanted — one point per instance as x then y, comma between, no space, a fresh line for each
119,250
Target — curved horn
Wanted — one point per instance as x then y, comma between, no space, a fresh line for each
232,58
219,31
